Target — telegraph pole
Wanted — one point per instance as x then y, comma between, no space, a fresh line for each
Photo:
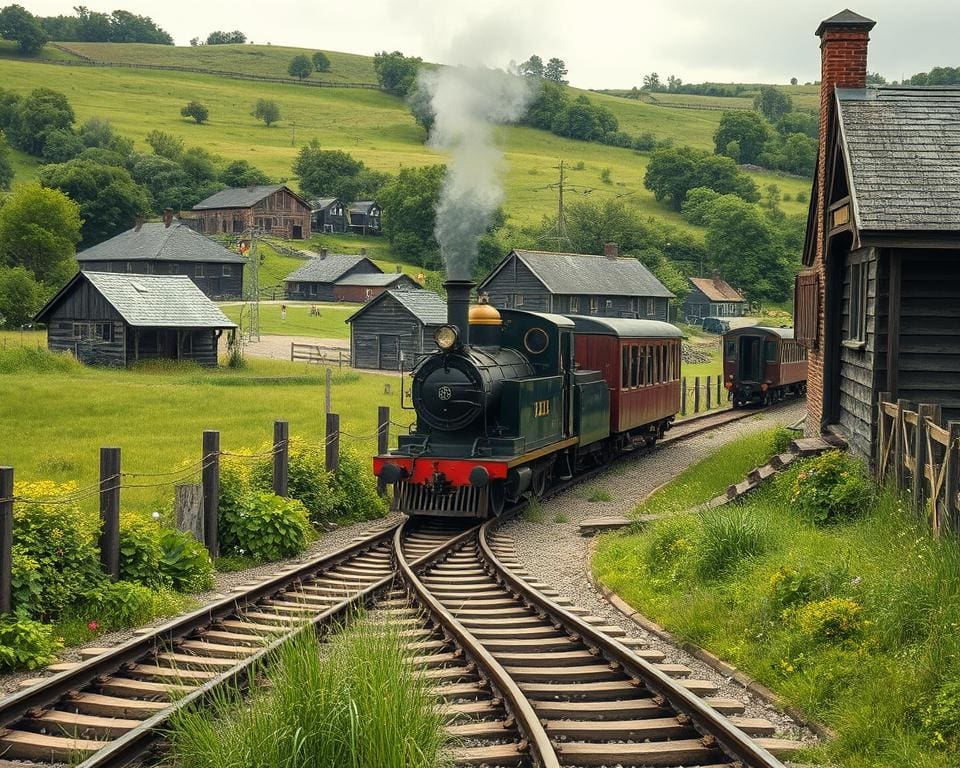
558,233
253,298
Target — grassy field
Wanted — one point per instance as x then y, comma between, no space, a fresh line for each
374,127
52,423
329,324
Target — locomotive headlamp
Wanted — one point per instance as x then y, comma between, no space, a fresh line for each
445,336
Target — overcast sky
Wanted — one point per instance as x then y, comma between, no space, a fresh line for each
606,44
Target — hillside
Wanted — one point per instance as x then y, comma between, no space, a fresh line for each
373,126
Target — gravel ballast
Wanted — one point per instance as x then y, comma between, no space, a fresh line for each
556,554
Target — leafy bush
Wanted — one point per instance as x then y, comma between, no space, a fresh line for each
56,559
832,487
727,537
833,618
26,643
125,604
941,718
307,479
162,557
354,489
669,547
790,587
781,440
18,359
140,551
185,562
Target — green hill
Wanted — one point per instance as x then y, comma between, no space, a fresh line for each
373,126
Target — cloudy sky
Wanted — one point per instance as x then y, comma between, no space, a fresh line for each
606,44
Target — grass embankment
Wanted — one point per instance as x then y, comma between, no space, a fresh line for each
56,414
329,324
356,702
854,620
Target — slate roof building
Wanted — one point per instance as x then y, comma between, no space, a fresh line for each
106,318
365,217
315,280
328,214
273,209
876,302
363,287
577,284
396,326
712,297
169,248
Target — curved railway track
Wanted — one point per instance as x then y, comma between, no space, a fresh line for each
525,678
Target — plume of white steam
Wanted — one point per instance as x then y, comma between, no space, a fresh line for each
467,102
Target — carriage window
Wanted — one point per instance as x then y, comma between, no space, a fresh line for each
625,368
771,351
634,366
663,364
731,349
649,365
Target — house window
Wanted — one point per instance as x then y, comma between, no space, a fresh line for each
574,304
651,307
186,343
103,332
857,314
81,330
313,289
593,304
198,270
238,225
518,299
129,266
227,271
609,304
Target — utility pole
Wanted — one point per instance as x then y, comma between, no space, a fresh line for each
293,137
253,283
558,233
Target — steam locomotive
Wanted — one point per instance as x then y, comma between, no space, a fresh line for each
513,401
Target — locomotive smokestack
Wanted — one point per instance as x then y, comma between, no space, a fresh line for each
458,307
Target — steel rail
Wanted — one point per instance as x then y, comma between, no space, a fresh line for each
710,723
542,751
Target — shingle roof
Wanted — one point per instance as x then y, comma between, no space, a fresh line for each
322,202
154,241
241,197
577,273
362,206
152,301
426,306
716,289
902,148
376,279
328,269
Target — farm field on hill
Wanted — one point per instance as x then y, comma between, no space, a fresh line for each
372,126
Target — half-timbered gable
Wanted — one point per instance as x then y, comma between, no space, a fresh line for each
272,209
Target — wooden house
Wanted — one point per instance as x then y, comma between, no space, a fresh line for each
365,217
315,280
577,284
328,215
169,248
360,288
105,318
273,210
712,297
878,300
395,327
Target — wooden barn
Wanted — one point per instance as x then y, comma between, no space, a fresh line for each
712,297
577,284
397,326
878,301
365,217
361,288
273,210
169,248
315,280
105,318
328,215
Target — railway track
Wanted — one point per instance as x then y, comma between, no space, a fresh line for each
524,678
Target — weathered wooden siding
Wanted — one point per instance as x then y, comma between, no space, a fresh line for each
929,360
697,305
381,332
315,291
216,280
516,279
280,214
61,338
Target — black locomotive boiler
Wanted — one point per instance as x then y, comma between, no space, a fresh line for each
504,407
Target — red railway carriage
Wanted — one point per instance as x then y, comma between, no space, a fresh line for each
763,365
640,361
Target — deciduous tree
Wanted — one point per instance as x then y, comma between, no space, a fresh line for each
226,38
772,103
748,129
266,110
334,173
39,231
321,62
300,67
6,163
44,110
240,173
20,296
396,73
555,71
165,144
17,23
532,67
197,111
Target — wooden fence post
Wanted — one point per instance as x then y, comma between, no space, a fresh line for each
281,456
6,540
924,410
899,449
951,458
327,392
110,511
683,396
211,491
696,394
333,442
188,508
709,395
383,429
719,387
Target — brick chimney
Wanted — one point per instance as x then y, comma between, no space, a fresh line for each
167,217
611,250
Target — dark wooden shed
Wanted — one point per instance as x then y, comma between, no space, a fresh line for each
119,319
169,248
878,300
365,217
395,323
712,297
577,284
328,215
361,288
315,280
273,209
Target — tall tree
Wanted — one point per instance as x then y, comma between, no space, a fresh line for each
197,111
39,231
555,71
334,173
20,296
6,163
300,67
266,110
17,23
43,111
321,62
240,173
396,73
532,67
652,82
772,103
409,204
748,129
226,38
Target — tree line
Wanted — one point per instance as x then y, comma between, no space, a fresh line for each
32,32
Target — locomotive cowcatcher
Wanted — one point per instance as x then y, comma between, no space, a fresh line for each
514,400
763,365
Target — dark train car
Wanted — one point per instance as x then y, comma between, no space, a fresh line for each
640,361
763,365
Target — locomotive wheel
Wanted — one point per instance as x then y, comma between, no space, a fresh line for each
539,483
497,497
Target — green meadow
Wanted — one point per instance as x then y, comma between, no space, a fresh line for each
329,324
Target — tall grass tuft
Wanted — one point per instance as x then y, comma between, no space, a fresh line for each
729,536
35,360
353,703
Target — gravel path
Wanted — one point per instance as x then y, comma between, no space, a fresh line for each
223,584
557,554
277,347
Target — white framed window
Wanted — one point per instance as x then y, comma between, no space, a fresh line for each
593,303
129,266
609,304
859,275
651,307
227,270
518,299
574,304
